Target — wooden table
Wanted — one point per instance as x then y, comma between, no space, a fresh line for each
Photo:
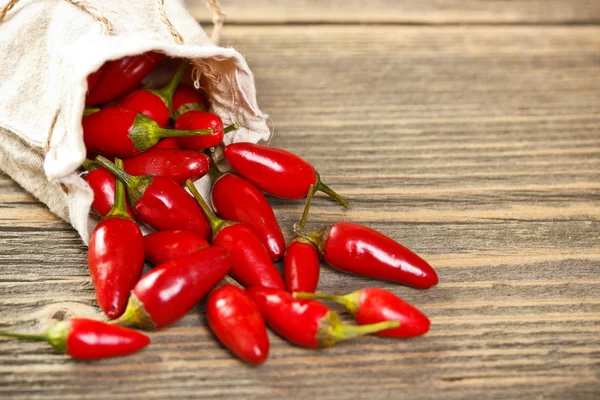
478,146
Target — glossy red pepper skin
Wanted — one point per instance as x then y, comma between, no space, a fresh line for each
155,104
168,143
116,261
307,323
178,165
91,340
121,132
120,76
166,206
278,172
87,339
161,203
376,305
238,323
165,246
251,264
186,99
236,199
196,119
115,256
103,184
295,319
301,267
168,292
149,104
363,251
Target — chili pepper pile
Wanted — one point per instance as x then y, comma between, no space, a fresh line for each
165,137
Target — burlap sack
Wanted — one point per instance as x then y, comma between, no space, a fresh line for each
49,47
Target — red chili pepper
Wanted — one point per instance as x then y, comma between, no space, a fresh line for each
187,99
103,185
251,264
373,305
237,322
165,246
301,266
168,143
94,78
120,76
193,120
86,339
116,256
359,250
120,132
165,294
179,165
236,199
161,203
307,323
156,103
277,172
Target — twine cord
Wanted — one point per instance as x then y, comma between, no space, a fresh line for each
83,5
163,17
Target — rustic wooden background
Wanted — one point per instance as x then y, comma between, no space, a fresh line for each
477,145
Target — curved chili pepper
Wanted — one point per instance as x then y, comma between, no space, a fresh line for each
116,256
165,294
363,251
121,132
103,185
307,323
120,76
193,120
179,165
373,305
277,172
168,143
251,264
187,99
86,339
162,247
156,103
301,266
236,199
161,203
236,320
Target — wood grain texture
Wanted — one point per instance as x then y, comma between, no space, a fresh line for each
404,11
478,147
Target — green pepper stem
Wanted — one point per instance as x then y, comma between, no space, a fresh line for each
156,132
309,196
166,92
116,171
232,127
343,331
215,222
40,338
89,165
314,237
350,301
119,208
90,111
320,186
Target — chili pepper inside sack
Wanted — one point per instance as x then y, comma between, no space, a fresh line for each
48,49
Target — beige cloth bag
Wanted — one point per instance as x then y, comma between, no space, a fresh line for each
49,47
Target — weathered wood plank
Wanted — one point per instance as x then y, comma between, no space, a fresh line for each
478,147
404,11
